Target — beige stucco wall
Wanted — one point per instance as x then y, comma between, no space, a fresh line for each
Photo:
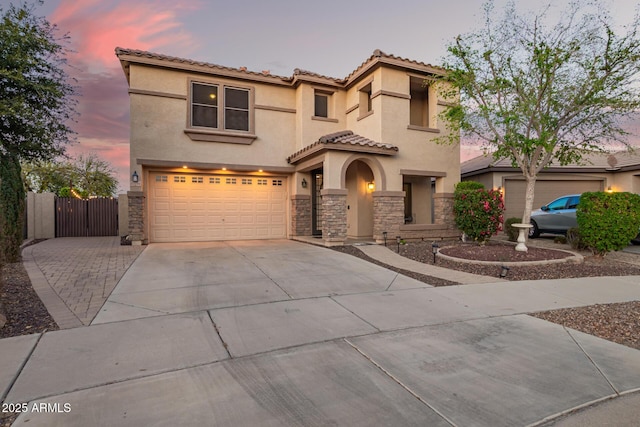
41,215
311,128
123,214
359,200
158,123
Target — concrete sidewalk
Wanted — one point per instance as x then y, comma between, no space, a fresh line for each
280,333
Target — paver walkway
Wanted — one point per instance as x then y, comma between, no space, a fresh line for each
74,276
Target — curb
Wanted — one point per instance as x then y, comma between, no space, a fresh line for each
574,258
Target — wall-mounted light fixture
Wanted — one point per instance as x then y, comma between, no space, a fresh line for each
371,186
135,177
609,190
304,183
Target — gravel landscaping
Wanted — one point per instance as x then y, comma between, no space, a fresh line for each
619,322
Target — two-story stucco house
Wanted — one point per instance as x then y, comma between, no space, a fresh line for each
221,153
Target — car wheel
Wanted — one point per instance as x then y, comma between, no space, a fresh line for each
534,231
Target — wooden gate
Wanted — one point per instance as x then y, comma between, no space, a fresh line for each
82,218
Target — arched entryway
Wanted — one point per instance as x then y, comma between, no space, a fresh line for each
359,182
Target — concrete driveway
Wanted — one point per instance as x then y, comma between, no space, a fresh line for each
282,333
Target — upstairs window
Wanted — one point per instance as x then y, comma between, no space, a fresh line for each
219,107
366,106
236,109
419,107
321,108
204,105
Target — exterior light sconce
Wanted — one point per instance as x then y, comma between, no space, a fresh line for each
434,250
609,190
384,235
135,177
304,183
371,186
503,272
398,238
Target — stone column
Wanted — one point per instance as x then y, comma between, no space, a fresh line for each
388,214
443,210
334,216
301,215
136,217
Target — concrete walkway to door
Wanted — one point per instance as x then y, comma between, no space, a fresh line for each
283,333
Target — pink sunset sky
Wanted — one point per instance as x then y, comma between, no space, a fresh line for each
331,38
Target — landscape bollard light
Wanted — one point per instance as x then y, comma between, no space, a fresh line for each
434,249
398,243
384,234
504,271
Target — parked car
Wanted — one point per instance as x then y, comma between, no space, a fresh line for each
556,217
559,216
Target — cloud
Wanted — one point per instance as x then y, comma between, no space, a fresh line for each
96,28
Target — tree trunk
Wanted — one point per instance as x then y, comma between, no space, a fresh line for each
12,198
528,198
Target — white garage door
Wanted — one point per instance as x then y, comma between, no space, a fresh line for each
186,207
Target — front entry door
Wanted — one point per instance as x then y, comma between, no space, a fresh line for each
316,202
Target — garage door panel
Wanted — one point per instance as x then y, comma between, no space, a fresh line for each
545,192
187,207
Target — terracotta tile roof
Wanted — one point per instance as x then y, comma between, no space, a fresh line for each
594,161
157,56
378,56
344,140
299,72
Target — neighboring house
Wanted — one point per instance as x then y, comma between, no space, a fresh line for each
619,171
223,153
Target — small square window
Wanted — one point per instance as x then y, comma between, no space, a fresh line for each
321,105
196,179
179,178
214,180
247,181
277,182
262,182
230,181
161,178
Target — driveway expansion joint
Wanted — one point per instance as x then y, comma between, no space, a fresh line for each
400,383
593,362
20,369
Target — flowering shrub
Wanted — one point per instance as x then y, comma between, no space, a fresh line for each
478,212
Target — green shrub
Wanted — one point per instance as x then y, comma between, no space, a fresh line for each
468,185
511,231
608,221
478,212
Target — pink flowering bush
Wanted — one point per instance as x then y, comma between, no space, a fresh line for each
478,212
